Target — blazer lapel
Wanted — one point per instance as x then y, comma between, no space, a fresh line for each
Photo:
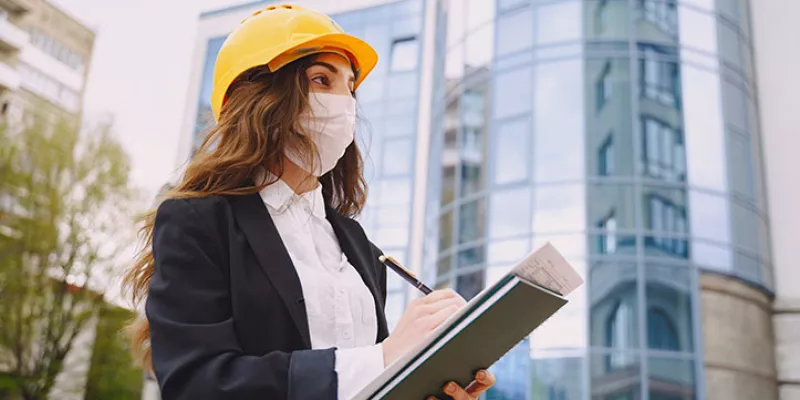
355,246
253,218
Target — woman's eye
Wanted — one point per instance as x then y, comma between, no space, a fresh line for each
321,79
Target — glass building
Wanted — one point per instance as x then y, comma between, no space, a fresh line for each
624,132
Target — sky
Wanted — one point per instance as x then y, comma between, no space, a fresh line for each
139,76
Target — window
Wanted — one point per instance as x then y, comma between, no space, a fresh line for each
405,54
666,217
659,79
663,153
400,162
606,157
512,92
619,336
56,49
661,332
48,88
662,13
604,87
510,213
514,32
601,17
608,239
510,152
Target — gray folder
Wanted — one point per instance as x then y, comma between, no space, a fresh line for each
490,325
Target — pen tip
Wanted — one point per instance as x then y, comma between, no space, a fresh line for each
382,258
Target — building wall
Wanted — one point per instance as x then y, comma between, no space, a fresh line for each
777,60
739,340
44,59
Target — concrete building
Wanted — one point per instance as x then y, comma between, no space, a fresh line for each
777,59
649,140
44,58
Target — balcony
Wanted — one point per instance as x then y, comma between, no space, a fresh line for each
9,77
11,36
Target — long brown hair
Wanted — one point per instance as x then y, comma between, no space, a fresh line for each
258,123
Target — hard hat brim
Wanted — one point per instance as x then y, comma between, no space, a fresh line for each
363,57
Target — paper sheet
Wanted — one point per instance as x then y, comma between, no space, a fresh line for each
547,268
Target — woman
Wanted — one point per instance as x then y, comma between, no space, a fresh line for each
258,284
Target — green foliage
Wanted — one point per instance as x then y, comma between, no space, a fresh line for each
113,375
63,199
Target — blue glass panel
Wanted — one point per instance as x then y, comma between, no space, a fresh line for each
669,308
510,213
512,92
514,32
558,122
510,151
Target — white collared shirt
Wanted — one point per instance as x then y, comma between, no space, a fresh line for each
340,308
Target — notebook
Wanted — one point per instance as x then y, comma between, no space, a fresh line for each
482,331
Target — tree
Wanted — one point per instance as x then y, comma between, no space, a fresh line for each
113,375
64,197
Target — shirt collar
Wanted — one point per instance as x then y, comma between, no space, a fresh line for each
279,196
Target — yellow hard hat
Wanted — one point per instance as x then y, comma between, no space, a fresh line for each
278,35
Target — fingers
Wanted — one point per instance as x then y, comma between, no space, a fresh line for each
456,392
433,308
438,295
434,320
483,381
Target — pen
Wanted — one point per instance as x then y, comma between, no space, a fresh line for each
404,273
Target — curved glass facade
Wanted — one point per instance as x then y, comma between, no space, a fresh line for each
625,132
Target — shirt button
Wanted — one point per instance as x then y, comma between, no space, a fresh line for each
346,334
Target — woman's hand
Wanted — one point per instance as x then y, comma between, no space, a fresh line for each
421,317
483,381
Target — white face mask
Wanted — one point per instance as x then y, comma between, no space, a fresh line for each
331,124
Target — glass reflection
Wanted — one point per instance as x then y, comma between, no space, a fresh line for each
671,378
514,32
618,381
697,29
665,220
607,144
512,92
709,216
560,208
668,308
510,151
470,284
704,134
611,210
399,163
658,20
507,251
559,22
614,310
510,213
606,19
472,221
558,122
514,367
557,376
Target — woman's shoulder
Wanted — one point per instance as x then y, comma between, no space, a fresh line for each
205,210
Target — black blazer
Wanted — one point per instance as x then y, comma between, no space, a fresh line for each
226,311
